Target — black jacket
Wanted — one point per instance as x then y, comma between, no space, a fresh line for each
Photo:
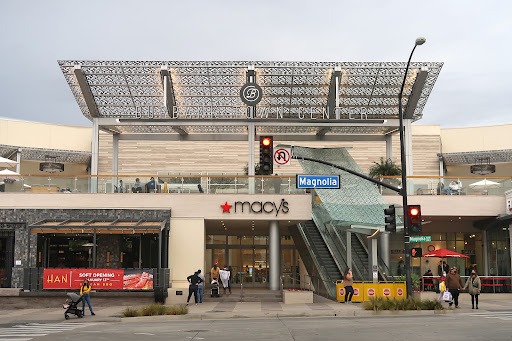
194,279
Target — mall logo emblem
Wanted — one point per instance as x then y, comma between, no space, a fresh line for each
257,207
251,94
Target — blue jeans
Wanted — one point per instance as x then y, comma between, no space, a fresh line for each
200,293
349,292
86,298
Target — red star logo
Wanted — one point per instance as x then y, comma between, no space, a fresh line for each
226,207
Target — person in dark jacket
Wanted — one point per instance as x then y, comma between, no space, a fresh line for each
454,284
474,286
193,281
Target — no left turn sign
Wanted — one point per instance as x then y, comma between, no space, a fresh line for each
282,157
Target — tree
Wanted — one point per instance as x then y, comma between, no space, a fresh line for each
384,168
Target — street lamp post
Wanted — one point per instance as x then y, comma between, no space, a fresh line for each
407,246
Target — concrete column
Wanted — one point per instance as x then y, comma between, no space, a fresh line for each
349,249
115,159
372,259
510,245
485,253
408,154
389,147
94,155
384,249
18,160
251,132
274,250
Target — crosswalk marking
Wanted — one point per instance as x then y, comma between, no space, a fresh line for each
28,331
500,315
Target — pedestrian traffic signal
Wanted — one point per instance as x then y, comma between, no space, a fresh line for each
416,252
266,155
390,218
414,219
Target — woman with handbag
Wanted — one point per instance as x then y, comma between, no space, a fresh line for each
474,286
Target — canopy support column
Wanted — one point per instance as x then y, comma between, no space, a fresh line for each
251,132
94,250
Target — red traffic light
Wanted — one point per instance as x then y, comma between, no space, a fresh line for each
266,141
414,212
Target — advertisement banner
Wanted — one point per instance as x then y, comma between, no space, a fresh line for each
74,278
138,279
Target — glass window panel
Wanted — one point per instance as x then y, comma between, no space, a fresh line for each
247,264
247,240
260,266
219,257
235,262
438,236
260,240
215,239
234,240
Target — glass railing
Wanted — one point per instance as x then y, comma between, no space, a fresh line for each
163,182
444,185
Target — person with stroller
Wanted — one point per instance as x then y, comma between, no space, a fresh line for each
454,284
84,292
193,281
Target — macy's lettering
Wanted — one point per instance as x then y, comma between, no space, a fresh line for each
260,207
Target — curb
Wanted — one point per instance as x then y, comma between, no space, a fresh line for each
281,314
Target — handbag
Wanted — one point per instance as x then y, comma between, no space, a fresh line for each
447,296
474,284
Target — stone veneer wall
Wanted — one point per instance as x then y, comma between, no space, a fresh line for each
26,217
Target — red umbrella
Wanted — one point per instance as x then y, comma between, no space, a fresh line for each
443,253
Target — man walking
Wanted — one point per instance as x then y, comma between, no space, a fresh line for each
193,281
200,286
453,283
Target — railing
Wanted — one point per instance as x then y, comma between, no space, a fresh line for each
490,284
165,182
446,185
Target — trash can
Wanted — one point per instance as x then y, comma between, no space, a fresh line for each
160,294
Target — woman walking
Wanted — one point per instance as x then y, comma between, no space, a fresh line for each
84,291
474,286
348,282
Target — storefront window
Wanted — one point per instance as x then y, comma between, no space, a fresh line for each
215,239
247,240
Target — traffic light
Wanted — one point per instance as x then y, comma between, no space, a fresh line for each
266,155
416,252
414,219
390,218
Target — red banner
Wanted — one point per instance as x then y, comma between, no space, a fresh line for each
74,278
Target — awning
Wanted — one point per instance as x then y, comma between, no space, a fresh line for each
100,227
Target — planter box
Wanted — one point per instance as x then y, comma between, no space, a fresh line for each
425,295
296,297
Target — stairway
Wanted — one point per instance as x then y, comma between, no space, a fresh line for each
247,295
360,258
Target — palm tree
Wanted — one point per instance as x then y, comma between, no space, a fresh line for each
384,168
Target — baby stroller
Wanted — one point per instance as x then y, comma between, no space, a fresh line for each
71,305
215,289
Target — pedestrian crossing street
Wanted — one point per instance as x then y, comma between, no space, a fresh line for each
27,332
501,315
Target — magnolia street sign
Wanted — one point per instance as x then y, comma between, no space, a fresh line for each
420,239
318,181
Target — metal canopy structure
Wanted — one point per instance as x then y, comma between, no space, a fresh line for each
468,158
95,226
185,100
44,154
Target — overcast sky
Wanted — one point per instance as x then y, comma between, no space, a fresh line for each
472,38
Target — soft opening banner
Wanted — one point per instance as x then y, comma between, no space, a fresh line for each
98,279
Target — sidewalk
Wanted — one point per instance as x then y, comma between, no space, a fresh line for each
232,310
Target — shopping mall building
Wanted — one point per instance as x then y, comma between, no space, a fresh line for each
194,127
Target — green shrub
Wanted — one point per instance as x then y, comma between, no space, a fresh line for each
130,312
381,303
177,310
156,309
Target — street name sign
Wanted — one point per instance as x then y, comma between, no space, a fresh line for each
420,239
318,181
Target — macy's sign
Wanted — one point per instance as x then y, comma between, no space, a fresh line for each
257,207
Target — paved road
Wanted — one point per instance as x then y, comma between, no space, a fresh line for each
471,326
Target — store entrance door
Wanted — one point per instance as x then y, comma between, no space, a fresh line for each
6,258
